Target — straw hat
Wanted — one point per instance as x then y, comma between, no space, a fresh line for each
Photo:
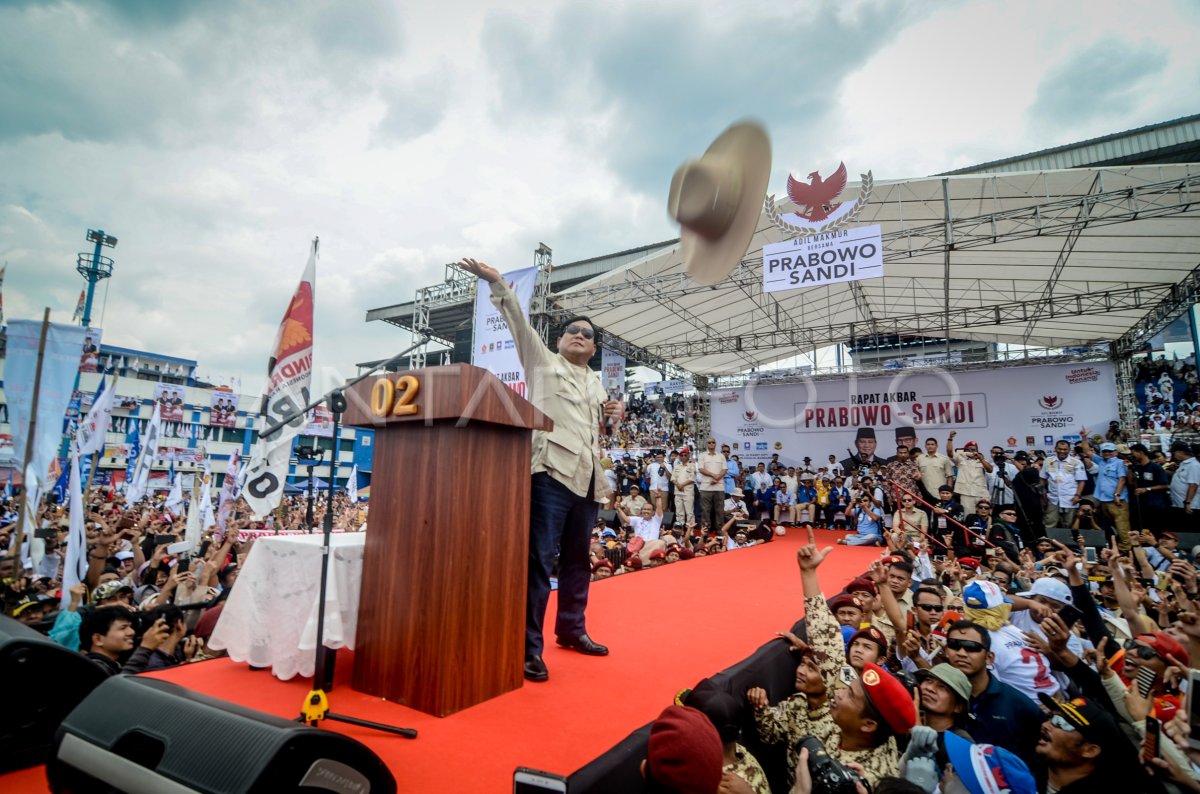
717,200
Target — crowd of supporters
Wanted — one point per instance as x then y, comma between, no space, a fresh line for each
142,605
934,672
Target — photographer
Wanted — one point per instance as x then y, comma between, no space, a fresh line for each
865,717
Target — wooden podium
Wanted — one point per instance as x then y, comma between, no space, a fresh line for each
441,619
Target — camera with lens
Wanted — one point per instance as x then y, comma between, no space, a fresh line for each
829,776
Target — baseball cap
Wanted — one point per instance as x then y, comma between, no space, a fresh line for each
951,676
1050,587
30,601
1165,645
1091,719
109,590
684,752
984,595
889,698
1108,446
987,769
1022,455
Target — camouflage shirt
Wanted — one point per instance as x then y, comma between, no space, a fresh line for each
748,769
791,721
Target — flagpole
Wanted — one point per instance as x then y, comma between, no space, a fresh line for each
19,537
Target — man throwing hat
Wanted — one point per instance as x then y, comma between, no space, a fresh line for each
568,483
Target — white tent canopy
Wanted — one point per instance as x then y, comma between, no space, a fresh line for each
1055,258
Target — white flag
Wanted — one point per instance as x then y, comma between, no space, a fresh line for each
174,503
352,485
75,566
229,492
95,424
289,374
151,441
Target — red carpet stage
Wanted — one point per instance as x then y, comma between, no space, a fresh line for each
667,629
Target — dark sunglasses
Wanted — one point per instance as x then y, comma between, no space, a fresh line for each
970,646
931,607
582,330
1142,651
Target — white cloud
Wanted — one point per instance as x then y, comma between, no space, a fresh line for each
215,140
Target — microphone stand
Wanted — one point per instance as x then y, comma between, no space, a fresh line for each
315,707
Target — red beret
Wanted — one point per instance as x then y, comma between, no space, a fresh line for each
862,585
969,562
658,554
1165,645
844,600
686,554
685,752
633,561
870,633
889,698
602,564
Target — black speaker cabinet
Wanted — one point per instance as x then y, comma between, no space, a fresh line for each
43,681
142,735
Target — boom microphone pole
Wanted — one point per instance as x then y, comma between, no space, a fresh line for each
315,707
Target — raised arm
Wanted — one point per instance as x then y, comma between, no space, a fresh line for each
530,348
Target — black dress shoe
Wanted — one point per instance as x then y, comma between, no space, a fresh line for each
535,669
584,644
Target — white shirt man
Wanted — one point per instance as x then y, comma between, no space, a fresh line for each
647,529
835,467
1061,475
1187,474
759,479
735,505
660,475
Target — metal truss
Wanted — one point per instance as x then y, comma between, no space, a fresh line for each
1050,218
1099,352
644,357
1179,299
1142,297
543,260
457,287
1127,405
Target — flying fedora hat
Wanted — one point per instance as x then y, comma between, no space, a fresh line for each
717,200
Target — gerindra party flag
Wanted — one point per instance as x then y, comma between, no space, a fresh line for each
289,373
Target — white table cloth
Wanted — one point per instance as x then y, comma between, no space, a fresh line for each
270,618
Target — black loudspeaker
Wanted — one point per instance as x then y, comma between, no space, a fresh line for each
43,681
136,734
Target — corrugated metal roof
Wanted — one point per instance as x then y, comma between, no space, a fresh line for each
1175,141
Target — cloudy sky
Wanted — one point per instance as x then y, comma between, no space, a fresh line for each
215,139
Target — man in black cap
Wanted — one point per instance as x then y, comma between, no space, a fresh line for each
864,444
1082,749
905,437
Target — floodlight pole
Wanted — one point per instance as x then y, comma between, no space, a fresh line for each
94,269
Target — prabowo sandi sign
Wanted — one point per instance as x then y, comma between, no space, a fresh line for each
824,248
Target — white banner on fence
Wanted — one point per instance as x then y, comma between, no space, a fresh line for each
664,387
494,349
1015,407
845,255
